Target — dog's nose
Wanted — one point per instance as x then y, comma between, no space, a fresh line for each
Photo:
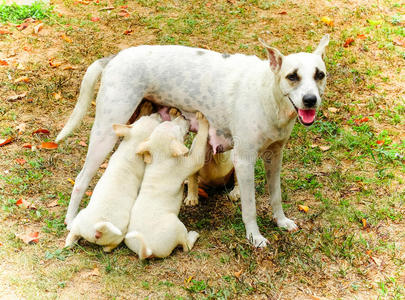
309,100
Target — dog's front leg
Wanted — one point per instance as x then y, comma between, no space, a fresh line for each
272,159
244,162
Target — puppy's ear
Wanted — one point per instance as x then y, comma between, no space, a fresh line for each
177,148
121,130
320,49
144,149
275,57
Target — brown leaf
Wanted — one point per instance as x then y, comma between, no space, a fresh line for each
5,141
4,31
349,41
16,97
54,64
27,145
303,208
104,165
361,36
3,63
69,67
20,161
282,12
95,19
66,38
82,143
38,28
237,274
202,193
107,8
364,222
29,238
23,204
22,26
41,131
128,31
324,148
52,204
333,109
89,193
48,145
57,95
399,42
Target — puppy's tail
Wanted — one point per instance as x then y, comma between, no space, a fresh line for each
86,96
102,228
143,251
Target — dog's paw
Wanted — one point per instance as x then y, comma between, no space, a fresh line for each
286,224
234,195
191,201
258,240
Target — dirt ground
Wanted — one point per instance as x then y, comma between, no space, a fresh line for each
348,168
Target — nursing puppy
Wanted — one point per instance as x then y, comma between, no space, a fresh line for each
154,228
217,171
105,220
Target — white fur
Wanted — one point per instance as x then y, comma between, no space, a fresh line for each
248,99
155,229
105,220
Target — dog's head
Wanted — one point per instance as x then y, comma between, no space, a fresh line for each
301,78
140,129
167,140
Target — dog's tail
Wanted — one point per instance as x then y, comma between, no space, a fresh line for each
86,96
143,251
102,228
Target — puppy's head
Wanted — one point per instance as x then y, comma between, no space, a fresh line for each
140,129
167,140
301,78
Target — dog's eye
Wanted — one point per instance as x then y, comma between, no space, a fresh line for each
293,77
319,75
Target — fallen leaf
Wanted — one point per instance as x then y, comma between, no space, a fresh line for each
57,95
399,42
324,148
333,109
4,31
65,38
349,41
20,161
5,141
380,142
95,19
52,204
27,145
123,13
237,274
22,79
38,28
128,32
364,222
21,203
107,8
81,143
104,165
54,64
29,238
188,279
89,193
328,21
71,181
41,131
16,97
282,12
48,145
303,208
362,120
3,63
124,6
361,36
21,128
25,48
314,145
1,244
95,272
202,193
22,26
69,67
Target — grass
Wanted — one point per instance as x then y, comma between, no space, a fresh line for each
18,13
347,168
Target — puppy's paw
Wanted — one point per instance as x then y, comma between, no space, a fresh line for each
234,195
174,112
286,224
258,240
191,201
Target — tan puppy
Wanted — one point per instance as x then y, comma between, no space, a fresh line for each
217,171
105,220
155,229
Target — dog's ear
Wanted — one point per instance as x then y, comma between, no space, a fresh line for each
177,148
320,50
144,149
275,57
121,130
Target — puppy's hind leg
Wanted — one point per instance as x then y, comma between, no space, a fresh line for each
190,239
73,237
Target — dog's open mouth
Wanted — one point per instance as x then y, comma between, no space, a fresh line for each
306,116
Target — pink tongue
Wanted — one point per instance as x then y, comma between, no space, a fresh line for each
307,115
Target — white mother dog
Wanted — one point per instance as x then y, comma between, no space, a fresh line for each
253,104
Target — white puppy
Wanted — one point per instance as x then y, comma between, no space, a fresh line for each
217,171
105,220
155,229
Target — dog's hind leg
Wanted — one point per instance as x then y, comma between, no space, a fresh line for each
190,239
102,140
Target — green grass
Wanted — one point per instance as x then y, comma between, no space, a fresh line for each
18,13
